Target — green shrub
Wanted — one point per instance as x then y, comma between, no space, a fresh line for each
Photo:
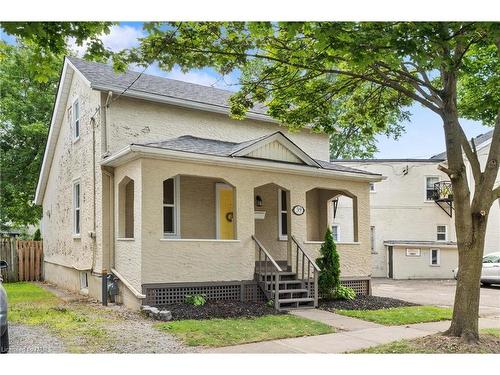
196,299
37,236
344,292
329,263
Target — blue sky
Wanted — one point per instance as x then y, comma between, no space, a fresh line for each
424,133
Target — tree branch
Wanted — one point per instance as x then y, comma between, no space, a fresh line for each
496,193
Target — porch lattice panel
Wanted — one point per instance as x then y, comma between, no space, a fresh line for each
164,294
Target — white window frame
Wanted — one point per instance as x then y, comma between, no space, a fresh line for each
77,208
425,186
177,209
372,187
445,232
75,120
438,257
413,252
280,222
338,232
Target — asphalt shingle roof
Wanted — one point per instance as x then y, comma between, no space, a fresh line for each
206,146
102,76
481,138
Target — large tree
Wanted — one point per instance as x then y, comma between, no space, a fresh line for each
29,74
361,77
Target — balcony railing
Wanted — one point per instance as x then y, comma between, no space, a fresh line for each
443,196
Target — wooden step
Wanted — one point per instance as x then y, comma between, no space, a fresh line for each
282,283
293,300
284,291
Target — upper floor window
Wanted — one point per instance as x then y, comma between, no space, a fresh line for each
429,187
336,232
282,215
76,208
372,187
75,109
442,234
171,207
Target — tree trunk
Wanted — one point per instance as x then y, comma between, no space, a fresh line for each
466,307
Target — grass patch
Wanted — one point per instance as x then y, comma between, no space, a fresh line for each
224,332
491,331
80,327
401,315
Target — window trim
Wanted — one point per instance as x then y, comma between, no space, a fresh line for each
425,186
74,120
372,187
445,232
177,209
373,239
438,264
338,233
76,182
281,237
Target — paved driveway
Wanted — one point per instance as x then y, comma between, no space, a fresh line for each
434,292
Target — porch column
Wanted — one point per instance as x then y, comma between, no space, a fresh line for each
289,230
298,222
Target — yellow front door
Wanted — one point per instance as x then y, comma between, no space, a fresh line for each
225,212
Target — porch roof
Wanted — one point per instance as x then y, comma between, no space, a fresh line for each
191,147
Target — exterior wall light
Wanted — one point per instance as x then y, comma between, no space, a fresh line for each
258,201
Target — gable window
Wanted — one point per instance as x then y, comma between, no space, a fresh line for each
429,187
435,257
171,207
442,234
76,208
76,119
336,232
282,215
372,187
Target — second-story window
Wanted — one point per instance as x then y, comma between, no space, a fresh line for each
76,119
442,234
429,187
336,232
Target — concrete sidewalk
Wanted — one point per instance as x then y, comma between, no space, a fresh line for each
355,334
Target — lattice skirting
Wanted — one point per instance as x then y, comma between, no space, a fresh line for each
164,294
360,286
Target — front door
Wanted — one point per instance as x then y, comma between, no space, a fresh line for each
225,212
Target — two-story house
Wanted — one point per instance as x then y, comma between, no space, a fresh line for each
412,221
149,179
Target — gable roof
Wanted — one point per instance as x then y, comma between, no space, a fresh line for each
215,147
102,77
479,140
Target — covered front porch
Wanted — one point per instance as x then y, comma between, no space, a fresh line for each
190,225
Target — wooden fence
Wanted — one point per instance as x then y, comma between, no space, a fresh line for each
25,258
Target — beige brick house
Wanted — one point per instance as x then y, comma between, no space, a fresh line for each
149,179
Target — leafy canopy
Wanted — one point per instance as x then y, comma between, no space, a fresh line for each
351,80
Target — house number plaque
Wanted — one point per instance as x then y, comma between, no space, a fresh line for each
298,210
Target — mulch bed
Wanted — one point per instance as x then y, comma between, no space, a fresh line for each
219,310
363,303
446,344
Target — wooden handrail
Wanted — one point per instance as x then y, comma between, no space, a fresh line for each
273,262
305,254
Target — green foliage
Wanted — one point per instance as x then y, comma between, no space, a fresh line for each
344,292
350,80
26,103
37,236
224,332
52,38
401,315
270,303
329,263
196,299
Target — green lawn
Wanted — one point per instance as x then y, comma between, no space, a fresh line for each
224,332
401,315
81,328
437,344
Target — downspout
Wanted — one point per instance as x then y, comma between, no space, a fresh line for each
105,114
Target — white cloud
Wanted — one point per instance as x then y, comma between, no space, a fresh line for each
120,37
